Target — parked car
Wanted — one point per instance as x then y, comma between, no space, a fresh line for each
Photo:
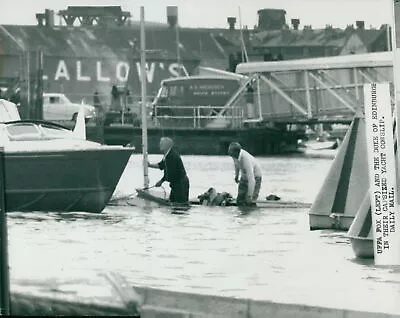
57,106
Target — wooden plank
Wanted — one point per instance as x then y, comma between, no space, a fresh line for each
144,194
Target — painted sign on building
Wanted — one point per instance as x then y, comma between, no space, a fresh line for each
78,77
105,71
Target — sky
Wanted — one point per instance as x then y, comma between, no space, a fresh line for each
213,13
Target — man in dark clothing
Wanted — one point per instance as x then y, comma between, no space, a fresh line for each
174,172
250,101
115,100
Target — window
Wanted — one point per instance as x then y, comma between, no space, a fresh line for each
54,99
23,132
164,92
54,132
176,91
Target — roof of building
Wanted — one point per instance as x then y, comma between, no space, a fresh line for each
369,37
210,45
100,42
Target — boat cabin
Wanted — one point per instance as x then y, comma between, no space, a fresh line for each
199,102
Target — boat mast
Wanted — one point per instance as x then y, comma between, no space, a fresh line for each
144,97
245,58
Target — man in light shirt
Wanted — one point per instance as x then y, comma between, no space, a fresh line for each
250,175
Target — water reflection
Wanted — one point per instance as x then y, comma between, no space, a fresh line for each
110,218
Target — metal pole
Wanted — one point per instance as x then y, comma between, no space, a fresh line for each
178,51
39,93
144,97
28,83
244,51
260,115
308,96
5,278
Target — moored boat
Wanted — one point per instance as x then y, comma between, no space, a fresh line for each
51,168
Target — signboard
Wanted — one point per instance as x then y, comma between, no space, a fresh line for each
80,77
382,174
206,91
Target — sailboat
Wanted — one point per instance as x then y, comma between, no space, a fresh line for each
50,168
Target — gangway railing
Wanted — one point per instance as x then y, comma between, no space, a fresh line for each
317,88
197,117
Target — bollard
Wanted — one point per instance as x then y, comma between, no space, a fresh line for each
4,273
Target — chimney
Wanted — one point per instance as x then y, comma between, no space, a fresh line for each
295,23
231,22
360,25
172,16
40,18
49,17
271,19
308,31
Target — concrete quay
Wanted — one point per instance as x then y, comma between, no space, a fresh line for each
110,294
163,303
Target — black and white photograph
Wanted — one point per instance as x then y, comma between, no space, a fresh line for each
193,159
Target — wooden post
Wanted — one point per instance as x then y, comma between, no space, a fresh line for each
39,90
144,97
4,273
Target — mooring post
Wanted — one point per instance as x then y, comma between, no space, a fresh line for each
4,273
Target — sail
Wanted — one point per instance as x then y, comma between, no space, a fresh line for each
80,125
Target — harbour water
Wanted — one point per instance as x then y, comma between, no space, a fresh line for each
267,254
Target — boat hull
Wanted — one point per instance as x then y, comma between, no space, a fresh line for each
63,181
362,247
338,221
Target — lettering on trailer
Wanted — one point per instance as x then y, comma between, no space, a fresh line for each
210,90
101,73
382,173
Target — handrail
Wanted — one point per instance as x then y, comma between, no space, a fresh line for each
234,116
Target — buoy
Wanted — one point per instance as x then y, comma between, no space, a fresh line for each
346,183
360,232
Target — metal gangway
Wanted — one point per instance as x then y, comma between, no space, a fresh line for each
326,89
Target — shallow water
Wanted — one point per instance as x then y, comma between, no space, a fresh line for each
267,254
